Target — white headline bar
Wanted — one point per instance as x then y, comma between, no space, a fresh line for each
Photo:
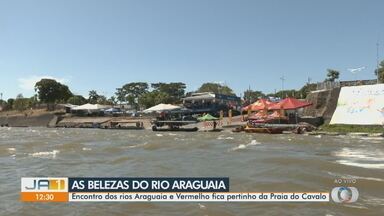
200,197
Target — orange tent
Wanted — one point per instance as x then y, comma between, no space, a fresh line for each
260,104
277,114
259,115
289,104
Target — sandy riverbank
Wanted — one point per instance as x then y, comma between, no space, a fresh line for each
35,118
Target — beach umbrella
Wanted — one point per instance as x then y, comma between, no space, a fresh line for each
260,104
289,104
89,106
207,117
162,107
276,115
259,115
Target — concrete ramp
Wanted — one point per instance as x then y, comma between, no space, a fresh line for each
360,105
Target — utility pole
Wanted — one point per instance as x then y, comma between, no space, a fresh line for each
282,86
377,61
249,93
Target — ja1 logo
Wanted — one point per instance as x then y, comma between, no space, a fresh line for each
344,194
44,184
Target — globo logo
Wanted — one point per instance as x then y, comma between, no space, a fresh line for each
344,194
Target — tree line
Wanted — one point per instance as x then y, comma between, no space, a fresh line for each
141,95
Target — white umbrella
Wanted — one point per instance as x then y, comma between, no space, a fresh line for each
89,106
161,107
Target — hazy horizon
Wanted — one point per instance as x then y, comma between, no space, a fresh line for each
101,45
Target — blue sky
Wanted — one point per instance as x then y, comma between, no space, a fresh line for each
103,44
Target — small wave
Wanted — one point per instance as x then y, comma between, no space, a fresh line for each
372,138
86,149
224,138
137,146
11,150
172,134
360,154
363,165
360,158
201,206
244,146
159,135
51,154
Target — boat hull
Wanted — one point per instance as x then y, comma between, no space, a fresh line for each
154,128
264,130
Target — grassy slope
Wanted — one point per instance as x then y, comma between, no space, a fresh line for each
353,128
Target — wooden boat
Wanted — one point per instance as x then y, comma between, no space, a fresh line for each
125,125
238,129
264,130
154,128
172,126
213,130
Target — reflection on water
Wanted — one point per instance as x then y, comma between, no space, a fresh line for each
254,162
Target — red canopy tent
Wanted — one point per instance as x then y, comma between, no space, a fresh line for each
261,104
289,104
276,115
259,115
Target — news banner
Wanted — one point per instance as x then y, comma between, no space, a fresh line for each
159,189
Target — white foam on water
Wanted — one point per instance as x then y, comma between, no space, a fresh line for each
318,136
137,146
86,149
363,165
159,135
244,146
225,138
49,154
253,142
172,134
360,158
373,139
201,206
11,150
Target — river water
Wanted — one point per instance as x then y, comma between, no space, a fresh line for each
253,162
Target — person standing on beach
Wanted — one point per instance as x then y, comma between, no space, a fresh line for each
214,125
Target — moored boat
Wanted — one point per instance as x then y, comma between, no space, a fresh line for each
268,130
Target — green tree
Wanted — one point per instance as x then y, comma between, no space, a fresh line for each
112,100
381,72
253,96
216,88
93,97
10,102
21,103
306,89
131,92
153,98
174,91
77,100
102,100
286,93
332,75
33,101
50,91
3,105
